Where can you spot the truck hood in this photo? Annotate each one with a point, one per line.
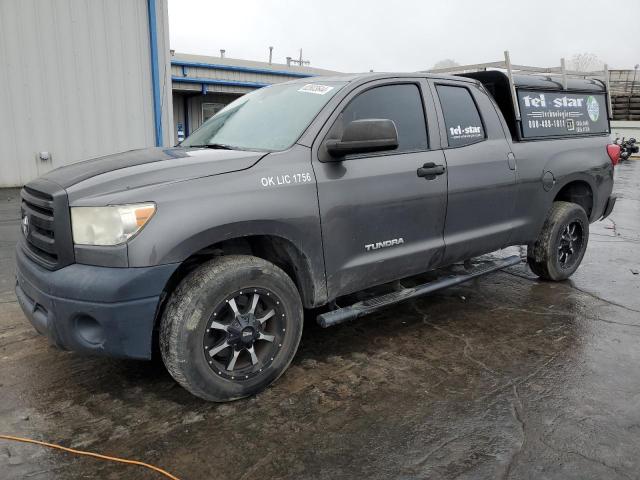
(148, 166)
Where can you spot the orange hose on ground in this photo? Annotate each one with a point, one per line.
(89, 454)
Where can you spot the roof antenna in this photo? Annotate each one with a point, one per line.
(300, 61)
(270, 54)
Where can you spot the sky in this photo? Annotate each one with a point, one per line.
(408, 35)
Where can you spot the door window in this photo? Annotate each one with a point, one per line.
(400, 103)
(461, 117)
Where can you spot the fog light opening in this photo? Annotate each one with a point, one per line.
(89, 330)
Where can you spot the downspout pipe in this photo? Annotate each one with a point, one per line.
(155, 71)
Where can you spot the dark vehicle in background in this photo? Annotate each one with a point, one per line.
(299, 195)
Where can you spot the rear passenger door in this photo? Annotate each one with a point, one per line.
(481, 172)
(380, 219)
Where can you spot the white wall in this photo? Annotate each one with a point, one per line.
(75, 80)
(623, 128)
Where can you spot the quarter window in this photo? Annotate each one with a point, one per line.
(400, 103)
(461, 117)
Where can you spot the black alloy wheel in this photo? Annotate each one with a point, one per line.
(561, 244)
(231, 327)
(570, 244)
(244, 333)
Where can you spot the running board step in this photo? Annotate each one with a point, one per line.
(365, 307)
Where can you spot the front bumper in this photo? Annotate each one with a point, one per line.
(89, 309)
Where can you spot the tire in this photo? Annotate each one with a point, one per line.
(200, 319)
(562, 242)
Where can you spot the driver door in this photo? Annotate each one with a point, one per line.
(381, 221)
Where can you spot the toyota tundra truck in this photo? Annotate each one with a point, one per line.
(302, 195)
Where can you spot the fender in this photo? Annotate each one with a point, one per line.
(598, 174)
(202, 212)
(308, 262)
(568, 160)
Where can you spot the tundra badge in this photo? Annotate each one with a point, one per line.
(385, 244)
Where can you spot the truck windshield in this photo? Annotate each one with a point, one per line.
(271, 118)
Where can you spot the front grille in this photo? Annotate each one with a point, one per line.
(45, 225)
(39, 230)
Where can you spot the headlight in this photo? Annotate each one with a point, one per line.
(110, 225)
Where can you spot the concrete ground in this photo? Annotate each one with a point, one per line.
(503, 377)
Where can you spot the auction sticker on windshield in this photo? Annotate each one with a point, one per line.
(316, 88)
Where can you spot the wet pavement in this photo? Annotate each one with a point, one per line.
(504, 377)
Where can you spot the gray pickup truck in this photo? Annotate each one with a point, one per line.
(299, 196)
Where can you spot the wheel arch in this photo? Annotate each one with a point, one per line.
(277, 249)
(579, 191)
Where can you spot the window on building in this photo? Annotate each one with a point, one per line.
(400, 103)
(461, 117)
(210, 109)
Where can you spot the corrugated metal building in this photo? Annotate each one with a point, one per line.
(80, 79)
(203, 85)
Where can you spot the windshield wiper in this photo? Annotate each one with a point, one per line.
(217, 146)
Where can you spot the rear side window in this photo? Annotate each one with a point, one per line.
(461, 117)
(400, 103)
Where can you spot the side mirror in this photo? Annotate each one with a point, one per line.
(367, 135)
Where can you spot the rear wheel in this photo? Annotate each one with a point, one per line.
(231, 328)
(562, 243)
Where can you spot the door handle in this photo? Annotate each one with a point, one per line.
(430, 170)
(511, 160)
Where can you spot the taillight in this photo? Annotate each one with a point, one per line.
(614, 153)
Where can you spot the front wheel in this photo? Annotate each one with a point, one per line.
(562, 243)
(231, 328)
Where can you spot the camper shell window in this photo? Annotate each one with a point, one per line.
(546, 109)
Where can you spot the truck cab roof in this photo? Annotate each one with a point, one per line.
(369, 76)
(487, 78)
